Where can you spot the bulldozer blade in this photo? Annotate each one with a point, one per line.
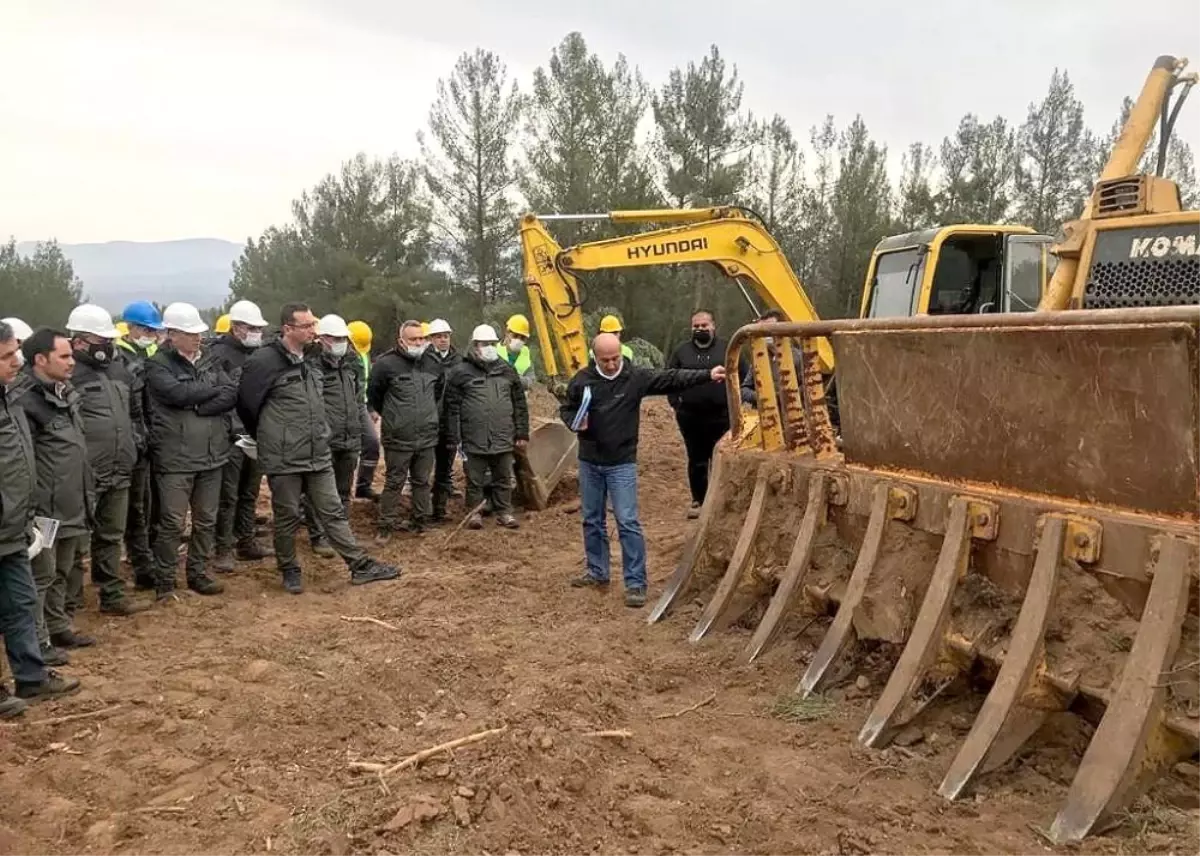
(1004, 723)
(797, 567)
(1133, 745)
(541, 465)
(926, 637)
(740, 561)
(841, 631)
(682, 575)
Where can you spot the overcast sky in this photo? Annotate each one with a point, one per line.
(159, 119)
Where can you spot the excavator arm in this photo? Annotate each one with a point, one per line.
(737, 245)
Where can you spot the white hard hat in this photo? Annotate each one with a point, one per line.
(439, 325)
(90, 318)
(245, 312)
(333, 325)
(183, 317)
(484, 333)
(21, 330)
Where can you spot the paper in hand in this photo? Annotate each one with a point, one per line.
(248, 446)
(582, 412)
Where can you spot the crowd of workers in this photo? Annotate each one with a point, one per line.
(131, 437)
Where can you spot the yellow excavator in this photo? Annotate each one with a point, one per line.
(1014, 502)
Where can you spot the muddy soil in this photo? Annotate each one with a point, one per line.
(231, 723)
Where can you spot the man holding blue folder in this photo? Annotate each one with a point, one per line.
(603, 405)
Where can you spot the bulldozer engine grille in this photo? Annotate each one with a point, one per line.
(1144, 267)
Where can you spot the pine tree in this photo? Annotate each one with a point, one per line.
(861, 214)
(466, 165)
(1179, 167)
(915, 208)
(41, 289)
(979, 164)
(1053, 175)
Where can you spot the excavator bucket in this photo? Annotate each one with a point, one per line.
(544, 461)
(1009, 518)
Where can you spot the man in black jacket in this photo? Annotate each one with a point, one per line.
(445, 358)
(189, 444)
(701, 412)
(404, 389)
(486, 412)
(608, 438)
(241, 476)
(282, 406)
(18, 592)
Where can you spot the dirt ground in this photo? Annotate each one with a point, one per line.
(231, 722)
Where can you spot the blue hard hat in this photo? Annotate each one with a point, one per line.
(142, 313)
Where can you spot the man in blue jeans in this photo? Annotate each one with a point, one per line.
(18, 594)
(608, 438)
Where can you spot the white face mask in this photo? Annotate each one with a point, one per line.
(338, 349)
(488, 353)
(253, 339)
(416, 351)
(620, 366)
(515, 344)
(145, 342)
(20, 357)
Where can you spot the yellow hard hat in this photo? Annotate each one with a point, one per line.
(424, 328)
(610, 324)
(360, 335)
(122, 329)
(222, 325)
(518, 324)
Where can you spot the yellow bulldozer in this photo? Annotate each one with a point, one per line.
(1013, 500)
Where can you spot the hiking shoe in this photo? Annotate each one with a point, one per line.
(588, 581)
(508, 521)
(322, 549)
(694, 511)
(476, 521)
(53, 686)
(204, 584)
(366, 493)
(292, 582)
(223, 563)
(10, 706)
(52, 656)
(71, 639)
(125, 607)
(635, 597)
(253, 550)
(413, 527)
(373, 572)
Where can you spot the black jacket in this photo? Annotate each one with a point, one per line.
(485, 407)
(18, 477)
(342, 386)
(282, 406)
(406, 393)
(703, 403)
(614, 415)
(112, 418)
(64, 478)
(189, 431)
(231, 355)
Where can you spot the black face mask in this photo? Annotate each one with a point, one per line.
(102, 353)
(703, 338)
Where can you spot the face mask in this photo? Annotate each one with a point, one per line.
(253, 339)
(145, 342)
(101, 353)
(516, 343)
(606, 376)
(415, 352)
(702, 337)
(488, 353)
(338, 349)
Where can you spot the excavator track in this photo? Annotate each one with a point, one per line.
(1014, 506)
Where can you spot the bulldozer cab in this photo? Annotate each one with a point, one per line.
(957, 270)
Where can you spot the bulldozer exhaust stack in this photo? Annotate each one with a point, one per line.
(1014, 506)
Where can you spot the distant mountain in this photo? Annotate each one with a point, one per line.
(195, 270)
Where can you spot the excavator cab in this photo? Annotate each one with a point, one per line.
(957, 270)
(1008, 522)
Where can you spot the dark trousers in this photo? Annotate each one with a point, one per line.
(112, 507)
(18, 619)
(401, 467)
(700, 438)
(287, 493)
(175, 494)
(443, 476)
(370, 451)
(241, 478)
(492, 474)
(138, 522)
(344, 464)
(53, 569)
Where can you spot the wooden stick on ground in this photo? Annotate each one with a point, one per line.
(462, 523)
(366, 619)
(709, 700)
(72, 717)
(618, 734)
(417, 757)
